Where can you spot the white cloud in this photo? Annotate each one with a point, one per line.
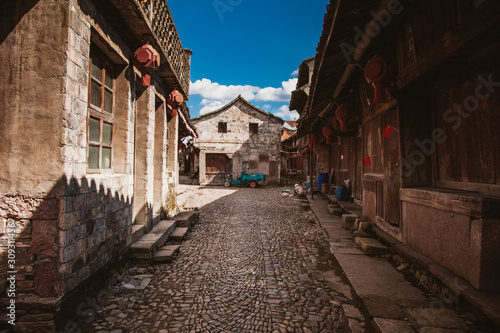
(285, 114)
(281, 94)
(210, 105)
(295, 73)
(214, 91)
(215, 95)
(217, 92)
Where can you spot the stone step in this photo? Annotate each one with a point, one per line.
(348, 221)
(166, 253)
(185, 219)
(436, 320)
(148, 244)
(370, 246)
(138, 230)
(178, 234)
(335, 210)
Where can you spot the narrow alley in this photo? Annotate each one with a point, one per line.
(254, 262)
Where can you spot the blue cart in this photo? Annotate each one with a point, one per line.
(252, 179)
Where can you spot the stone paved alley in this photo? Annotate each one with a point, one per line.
(254, 262)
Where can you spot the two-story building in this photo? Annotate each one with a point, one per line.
(408, 95)
(91, 107)
(238, 136)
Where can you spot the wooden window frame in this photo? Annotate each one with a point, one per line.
(97, 111)
(253, 128)
(222, 127)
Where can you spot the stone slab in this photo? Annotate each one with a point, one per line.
(370, 246)
(166, 253)
(385, 291)
(351, 311)
(392, 326)
(138, 230)
(439, 330)
(337, 211)
(441, 318)
(346, 250)
(185, 219)
(145, 246)
(179, 233)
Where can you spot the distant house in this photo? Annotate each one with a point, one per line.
(289, 128)
(235, 137)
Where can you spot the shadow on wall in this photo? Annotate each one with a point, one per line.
(61, 239)
(12, 13)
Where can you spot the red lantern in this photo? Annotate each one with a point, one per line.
(146, 59)
(313, 141)
(175, 99)
(377, 74)
(328, 133)
(342, 114)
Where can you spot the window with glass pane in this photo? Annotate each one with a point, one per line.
(101, 83)
(100, 121)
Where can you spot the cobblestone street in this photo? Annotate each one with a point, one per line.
(254, 262)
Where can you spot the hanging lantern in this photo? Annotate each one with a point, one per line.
(328, 133)
(343, 114)
(313, 140)
(146, 59)
(175, 99)
(376, 73)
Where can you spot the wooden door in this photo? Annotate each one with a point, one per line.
(218, 165)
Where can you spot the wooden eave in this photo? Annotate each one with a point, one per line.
(138, 27)
(298, 100)
(330, 61)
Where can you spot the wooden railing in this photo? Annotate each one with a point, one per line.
(163, 26)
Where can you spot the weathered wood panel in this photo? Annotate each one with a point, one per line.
(471, 147)
(217, 163)
(392, 181)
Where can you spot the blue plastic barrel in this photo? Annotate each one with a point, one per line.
(322, 178)
(342, 193)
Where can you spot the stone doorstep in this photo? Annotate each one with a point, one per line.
(178, 234)
(370, 246)
(166, 253)
(186, 218)
(146, 246)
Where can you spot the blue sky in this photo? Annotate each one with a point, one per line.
(247, 47)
